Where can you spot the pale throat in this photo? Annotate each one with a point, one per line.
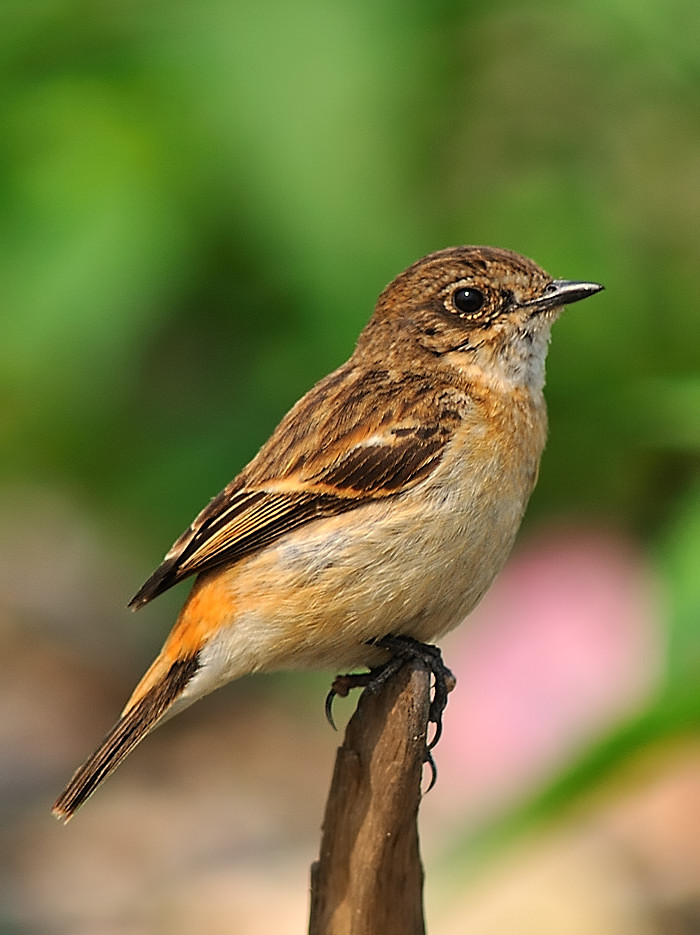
(513, 361)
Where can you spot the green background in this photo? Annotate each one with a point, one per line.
(199, 203)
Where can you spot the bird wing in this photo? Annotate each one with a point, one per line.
(312, 467)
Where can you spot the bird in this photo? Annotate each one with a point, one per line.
(382, 506)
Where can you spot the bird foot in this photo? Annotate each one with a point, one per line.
(403, 649)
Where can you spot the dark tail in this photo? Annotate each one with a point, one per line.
(129, 730)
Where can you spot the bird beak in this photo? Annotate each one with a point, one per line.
(562, 292)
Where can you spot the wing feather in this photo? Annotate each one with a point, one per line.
(313, 468)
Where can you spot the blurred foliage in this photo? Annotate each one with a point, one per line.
(200, 202)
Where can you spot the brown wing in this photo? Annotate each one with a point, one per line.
(315, 467)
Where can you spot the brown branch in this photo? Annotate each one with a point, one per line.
(369, 878)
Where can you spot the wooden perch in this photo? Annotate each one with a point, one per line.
(368, 879)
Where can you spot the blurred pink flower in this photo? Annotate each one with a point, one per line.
(566, 643)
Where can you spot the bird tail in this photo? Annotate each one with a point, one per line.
(152, 699)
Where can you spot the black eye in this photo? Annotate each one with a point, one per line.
(468, 301)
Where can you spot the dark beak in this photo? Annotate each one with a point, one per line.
(562, 292)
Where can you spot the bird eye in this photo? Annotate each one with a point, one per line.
(468, 301)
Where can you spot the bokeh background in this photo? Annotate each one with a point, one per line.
(199, 203)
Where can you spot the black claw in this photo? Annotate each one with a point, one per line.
(433, 769)
(329, 707)
(343, 685)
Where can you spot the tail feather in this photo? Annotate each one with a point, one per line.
(136, 722)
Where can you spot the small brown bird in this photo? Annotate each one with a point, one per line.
(385, 502)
